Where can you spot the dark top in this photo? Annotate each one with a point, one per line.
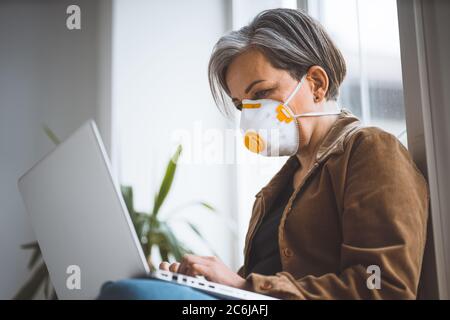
(265, 253)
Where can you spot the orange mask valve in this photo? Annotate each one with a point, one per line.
(254, 142)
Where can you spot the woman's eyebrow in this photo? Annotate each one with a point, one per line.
(250, 86)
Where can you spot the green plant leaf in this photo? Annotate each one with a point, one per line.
(141, 224)
(208, 206)
(51, 135)
(173, 212)
(195, 229)
(30, 288)
(185, 250)
(164, 253)
(34, 258)
(30, 245)
(47, 288)
(172, 241)
(53, 296)
(167, 181)
(34, 246)
(200, 235)
(127, 194)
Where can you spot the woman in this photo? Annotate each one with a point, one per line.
(346, 216)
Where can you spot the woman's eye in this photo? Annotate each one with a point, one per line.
(261, 94)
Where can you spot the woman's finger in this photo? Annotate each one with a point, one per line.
(199, 270)
(189, 259)
(174, 267)
(164, 266)
(182, 267)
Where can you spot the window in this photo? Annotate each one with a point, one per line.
(367, 34)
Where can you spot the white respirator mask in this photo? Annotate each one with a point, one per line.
(270, 127)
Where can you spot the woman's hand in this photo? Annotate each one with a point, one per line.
(212, 268)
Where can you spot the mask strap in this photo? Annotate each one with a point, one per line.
(308, 114)
(317, 114)
(299, 85)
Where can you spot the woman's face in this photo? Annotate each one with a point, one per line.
(251, 76)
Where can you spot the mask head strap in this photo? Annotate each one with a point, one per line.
(297, 88)
(318, 114)
(308, 114)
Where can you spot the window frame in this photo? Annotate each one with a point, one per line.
(424, 125)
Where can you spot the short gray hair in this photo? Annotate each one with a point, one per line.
(290, 39)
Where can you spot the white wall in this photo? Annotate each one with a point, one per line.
(48, 75)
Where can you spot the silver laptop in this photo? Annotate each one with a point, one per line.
(83, 227)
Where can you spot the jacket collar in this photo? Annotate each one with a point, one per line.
(335, 138)
(333, 143)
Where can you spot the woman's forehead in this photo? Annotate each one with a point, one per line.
(247, 67)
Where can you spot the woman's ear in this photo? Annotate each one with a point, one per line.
(319, 82)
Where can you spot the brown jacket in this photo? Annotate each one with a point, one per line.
(363, 203)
